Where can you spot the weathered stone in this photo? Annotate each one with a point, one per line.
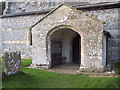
(0, 74)
(25, 21)
(12, 63)
(16, 36)
(61, 21)
(0, 43)
(110, 16)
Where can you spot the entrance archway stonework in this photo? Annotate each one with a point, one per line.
(64, 16)
(49, 35)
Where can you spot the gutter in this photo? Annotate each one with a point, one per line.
(86, 7)
(99, 6)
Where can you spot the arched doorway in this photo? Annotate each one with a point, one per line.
(61, 50)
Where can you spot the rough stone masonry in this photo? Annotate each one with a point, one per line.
(16, 33)
(90, 30)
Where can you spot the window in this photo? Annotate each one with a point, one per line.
(55, 3)
(52, 3)
(30, 37)
(2, 7)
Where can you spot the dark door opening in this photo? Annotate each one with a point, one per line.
(56, 53)
(64, 48)
(76, 50)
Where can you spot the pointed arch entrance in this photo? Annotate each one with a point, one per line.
(63, 46)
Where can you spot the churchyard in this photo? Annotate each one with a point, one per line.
(36, 78)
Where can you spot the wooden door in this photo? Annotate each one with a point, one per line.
(76, 49)
(56, 53)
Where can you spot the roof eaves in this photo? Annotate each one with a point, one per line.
(85, 7)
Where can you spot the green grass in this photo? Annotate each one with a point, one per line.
(35, 78)
(117, 68)
(26, 62)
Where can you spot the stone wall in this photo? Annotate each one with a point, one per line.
(23, 6)
(110, 17)
(90, 30)
(15, 34)
(15, 40)
(20, 22)
(0, 39)
(20, 25)
(0, 57)
(36, 5)
(0, 43)
(0, 74)
(27, 6)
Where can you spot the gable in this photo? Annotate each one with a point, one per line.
(67, 18)
(61, 13)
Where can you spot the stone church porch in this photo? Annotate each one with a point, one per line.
(44, 35)
(65, 46)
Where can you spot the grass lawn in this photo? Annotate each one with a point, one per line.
(34, 78)
(117, 68)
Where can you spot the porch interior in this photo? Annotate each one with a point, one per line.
(65, 50)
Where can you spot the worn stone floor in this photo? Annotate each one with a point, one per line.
(71, 68)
